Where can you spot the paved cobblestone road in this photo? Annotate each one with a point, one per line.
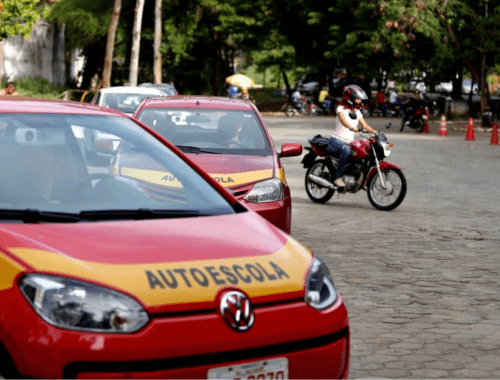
(421, 282)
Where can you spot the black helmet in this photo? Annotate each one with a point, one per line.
(353, 92)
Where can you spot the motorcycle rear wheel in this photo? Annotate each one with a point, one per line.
(419, 125)
(318, 193)
(391, 197)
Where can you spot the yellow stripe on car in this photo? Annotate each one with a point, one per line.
(159, 284)
(9, 269)
(225, 179)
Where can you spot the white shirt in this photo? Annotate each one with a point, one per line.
(394, 97)
(341, 132)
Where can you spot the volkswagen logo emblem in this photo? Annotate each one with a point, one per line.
(236, 310)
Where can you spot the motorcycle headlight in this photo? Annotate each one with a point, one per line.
(387, 149)
(320, 290)
(77, 305)
(266, 191)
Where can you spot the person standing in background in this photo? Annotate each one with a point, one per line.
(10, 89)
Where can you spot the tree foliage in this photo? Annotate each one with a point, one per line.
(19, 16)
(203, 41)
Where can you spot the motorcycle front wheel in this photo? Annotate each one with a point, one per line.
(313, 110)
(392, 195)
(289, 111)
(318, 193)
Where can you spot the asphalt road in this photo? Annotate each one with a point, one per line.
(421, 282)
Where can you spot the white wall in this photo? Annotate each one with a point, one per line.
(41, 56)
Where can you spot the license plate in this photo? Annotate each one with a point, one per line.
(265, 369)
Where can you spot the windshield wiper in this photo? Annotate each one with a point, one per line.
(139, 214)
(194, 149)
(32, 215)
(37, 216)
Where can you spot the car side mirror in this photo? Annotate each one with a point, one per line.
(290, 150)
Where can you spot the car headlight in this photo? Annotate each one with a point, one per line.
(266, 191)
(320, 290)
(77, 305)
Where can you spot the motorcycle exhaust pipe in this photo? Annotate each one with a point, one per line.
(320, 181)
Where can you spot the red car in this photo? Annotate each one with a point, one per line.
(229, 140)
(108, 275)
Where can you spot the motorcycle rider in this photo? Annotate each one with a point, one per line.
(349, 117)
(396, 104)
(297, 101)
(381, 102)
(324, 99)
(410, 106)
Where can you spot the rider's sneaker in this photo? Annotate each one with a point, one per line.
(339, 183)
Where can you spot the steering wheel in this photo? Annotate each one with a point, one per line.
(87, 179)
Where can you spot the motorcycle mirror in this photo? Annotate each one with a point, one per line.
(353, 115)
(388, 125)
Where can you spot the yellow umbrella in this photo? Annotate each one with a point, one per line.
(240, 80)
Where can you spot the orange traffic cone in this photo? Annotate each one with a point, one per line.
(443, 131)
(494, 134)
(469, 136)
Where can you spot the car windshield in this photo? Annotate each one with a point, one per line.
(104, 167)
(209, 131)
(126, 103)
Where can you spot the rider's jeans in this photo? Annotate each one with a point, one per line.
(340, 150)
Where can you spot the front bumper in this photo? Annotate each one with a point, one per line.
(183, 345)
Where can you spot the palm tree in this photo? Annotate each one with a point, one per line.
(157, 42)
(136, 43)
(110, 44)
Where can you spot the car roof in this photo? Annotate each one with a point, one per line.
(17, 104)
(157, 85)
(131, 90)
(198, 101)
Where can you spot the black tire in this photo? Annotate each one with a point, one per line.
(317, 193)
(419, 124)
(396, 191)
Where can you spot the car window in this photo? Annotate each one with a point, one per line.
(126, 103)
(213, 131)
(82, 163)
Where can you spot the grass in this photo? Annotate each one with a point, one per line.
(36, 88)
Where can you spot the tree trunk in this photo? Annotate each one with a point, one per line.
(136, 43)
(157, 42)
(110, 44)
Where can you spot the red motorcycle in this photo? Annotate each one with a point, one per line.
(416, 116)
(292, 109)
(366, 169)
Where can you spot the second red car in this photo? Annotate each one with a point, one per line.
(229, 140)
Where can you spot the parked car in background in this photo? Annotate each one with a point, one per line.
(415, 84)
(467, 86)
(444, 87)
(166, 88)
(152, 271)
(124, 98)
(229, 139)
